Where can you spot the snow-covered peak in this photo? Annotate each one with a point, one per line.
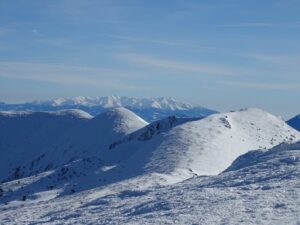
(60, 137)
(150, 109)
(45, 157)
(206, 146)
(59, 101)
(120, 120)
(80, 100)
(116, 101)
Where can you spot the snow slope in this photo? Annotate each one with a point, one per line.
(201, 147)
(148, 108)
(171, 150)
(295, 122)
(261, 187)
(117, 169)
(38, 142)
(26, 135)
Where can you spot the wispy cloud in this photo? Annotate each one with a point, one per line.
(44, 39)
(256, 85)
(261, 25)
(276, 59)
(37, 32)
(158, 42)
(66, 75)
(175, 65)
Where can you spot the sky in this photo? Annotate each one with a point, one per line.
(225, 54)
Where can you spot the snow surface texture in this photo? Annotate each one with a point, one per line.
(150, 109)
(264, 189)
(117, 169)
(202, 147)
(295, 122)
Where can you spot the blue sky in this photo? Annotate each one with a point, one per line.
(222, 54)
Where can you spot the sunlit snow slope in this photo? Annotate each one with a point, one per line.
(67, 165)
(202, 147)
(260, 187)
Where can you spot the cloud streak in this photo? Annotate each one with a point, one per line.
(256, 24)
(174, 65)
(158, 42)
(262, 25)
(263, 86)
(37, 32)
(66, 75)
(276, 59)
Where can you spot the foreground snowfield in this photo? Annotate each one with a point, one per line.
(264, 189)
(114, 168)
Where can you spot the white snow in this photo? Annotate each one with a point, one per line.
(36, 141)
(121, 120)
(266, 192)
(150, 109)
(117, 101)
(67, 112)
(115, 168)
(25, 136)
(203, 147)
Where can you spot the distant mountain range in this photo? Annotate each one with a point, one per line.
(150, 109)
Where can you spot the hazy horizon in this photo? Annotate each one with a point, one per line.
(286, 117)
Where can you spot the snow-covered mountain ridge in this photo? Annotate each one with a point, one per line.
(33, 142)
(176, 148)
(81, 162)
(149, 109)
(200, 147)
(118, 101)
